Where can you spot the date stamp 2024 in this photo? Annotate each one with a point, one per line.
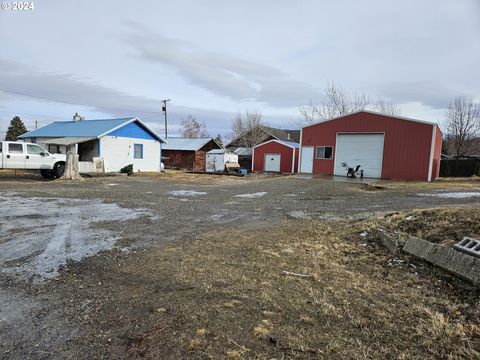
(17, 6)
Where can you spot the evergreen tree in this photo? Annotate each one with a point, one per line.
(219, 140)
(15, 129)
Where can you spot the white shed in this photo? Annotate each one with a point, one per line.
(218, 159)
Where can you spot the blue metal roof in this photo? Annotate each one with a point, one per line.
(81, 128)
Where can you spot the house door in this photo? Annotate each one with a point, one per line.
(272, 162)
(306, 164)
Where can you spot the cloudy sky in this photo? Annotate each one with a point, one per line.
(215, 58)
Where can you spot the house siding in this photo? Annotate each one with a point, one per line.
(407, 144)
(117, 152)
(133, 130)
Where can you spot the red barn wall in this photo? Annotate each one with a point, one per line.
(407, 144)
(437, 154)
(286, 153)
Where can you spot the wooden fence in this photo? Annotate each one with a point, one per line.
(460, 167)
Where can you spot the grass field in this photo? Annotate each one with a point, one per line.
(300, 290)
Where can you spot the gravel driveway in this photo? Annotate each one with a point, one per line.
(48, 224)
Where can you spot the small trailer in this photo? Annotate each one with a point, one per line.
(219, 160)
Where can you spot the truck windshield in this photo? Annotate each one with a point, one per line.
(35, 149)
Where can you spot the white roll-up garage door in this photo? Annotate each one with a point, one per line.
(360, 149)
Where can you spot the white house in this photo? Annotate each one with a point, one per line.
(103, 145)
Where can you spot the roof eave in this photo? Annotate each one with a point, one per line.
(374, 113)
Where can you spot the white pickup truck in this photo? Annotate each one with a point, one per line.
(28, 156)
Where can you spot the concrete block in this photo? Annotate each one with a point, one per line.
(418, 247)
(460, 264)
(469, 246)
(389, 241)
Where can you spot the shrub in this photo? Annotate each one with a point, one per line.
(127, 170)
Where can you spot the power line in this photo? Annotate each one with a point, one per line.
(73, 103)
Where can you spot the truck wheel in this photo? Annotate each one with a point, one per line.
(58, 170)
(47, 174)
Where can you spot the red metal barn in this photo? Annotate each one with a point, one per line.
(276, 156)
(386, 147)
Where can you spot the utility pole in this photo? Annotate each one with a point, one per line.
(36, 124)
(164, 109)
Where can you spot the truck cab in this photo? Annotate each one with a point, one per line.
(29, 156)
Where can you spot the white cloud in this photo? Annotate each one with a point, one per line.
(221, 74)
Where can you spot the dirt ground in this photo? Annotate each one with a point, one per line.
(196, 266)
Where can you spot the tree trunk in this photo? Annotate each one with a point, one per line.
(71, 168)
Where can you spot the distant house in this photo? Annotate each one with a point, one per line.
(242, 144)
(189, 154)
(103, 145)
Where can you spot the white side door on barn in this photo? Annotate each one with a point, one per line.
(306, 165)
(360, 149)
(272, 162)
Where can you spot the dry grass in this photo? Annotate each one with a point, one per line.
(227, 296)
(439, 184)
(183, 177)
(442, 226)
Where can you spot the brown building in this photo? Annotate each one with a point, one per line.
(189, 154)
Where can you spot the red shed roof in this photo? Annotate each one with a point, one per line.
(374, 113)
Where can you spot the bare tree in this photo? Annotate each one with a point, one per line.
(463, 124)
(247, 121)
(192, 128)
(386, 107)
(245, 127)
(338, 102)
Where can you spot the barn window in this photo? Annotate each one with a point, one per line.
(324, 152)
(138, 151)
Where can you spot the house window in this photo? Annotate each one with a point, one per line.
(138, 151)
(54, 149)
(323, 152)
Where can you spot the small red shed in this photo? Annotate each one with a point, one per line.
(276, 156)
(385, 146)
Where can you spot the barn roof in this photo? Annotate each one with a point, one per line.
(185, 144)
(85, 128)
(374, 113)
